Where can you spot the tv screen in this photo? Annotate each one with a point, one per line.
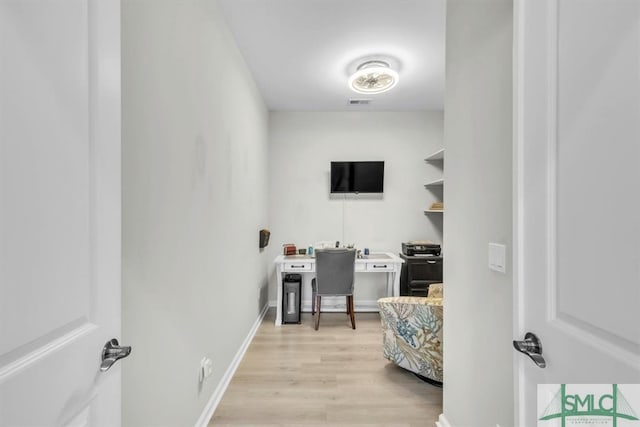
(357, 177)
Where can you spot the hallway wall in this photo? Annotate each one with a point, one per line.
(194, 140)
(478, 374)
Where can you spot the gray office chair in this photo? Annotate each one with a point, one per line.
(334, 277)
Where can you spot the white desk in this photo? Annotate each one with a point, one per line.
(384, 262)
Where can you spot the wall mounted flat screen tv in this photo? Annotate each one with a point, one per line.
(357, 177)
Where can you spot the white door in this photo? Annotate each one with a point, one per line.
(59, 211)
(577, 193)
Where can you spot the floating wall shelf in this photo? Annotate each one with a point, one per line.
(435, 183)
(438, 155)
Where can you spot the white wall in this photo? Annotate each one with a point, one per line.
(194, 197)
(478, 382)
(302, 211)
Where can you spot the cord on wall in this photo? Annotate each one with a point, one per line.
(344, 202)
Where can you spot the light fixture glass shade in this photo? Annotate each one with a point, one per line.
(373, 77)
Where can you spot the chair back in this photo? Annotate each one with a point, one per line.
(335, 271)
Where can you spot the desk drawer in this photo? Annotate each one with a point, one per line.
(380, 266)
(297, 266)
(360, 267)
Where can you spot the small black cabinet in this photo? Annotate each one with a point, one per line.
(418, 272)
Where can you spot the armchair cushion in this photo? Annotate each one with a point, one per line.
(412, 333)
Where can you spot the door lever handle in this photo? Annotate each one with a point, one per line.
(532, 347)
(112, 352)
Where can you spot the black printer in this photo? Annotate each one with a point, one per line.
(420, 247)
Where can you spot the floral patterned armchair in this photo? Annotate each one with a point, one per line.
(412, 332)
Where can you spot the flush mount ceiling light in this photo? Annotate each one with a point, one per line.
(373, 77)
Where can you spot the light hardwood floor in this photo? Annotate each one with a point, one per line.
(336, 376)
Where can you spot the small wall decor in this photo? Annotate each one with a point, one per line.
(264, 237)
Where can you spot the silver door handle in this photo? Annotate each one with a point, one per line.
(532, 347)
(112, 352)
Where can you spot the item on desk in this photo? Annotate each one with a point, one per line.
(324, 244)
(420, 247)
(310, 250)
(366, 251)
(337, 243)
(359, 254)
(289, 249)
(302, 251)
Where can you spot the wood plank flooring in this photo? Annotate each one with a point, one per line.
(336, 376)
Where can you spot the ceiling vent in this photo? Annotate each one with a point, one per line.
(359, 101)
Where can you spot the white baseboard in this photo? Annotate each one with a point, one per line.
(442, 421)
(338, 304)
(211, 406)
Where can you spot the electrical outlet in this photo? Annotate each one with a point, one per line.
(206, 368)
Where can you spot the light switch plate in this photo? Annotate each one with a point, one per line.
(497, 257)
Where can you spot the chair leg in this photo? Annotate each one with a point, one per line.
(318, 301)
(351, 313)
(313, 297)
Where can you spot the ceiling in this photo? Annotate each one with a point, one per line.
(301, 52)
